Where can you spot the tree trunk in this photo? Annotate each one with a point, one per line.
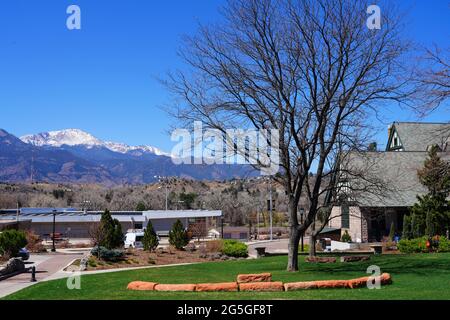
(294, 237)
(312, 245)
(312, 240)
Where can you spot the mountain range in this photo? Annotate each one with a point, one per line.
(75, 156)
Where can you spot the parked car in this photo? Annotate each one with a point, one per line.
(134, 239)
(24, 254)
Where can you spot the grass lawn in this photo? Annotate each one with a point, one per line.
(420, 276)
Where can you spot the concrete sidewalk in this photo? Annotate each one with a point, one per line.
(65, 274)
(46, 266)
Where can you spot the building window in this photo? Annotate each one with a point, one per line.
(345, 217)
(138, 225)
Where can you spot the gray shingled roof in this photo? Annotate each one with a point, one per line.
(417, 136)
(396, 170)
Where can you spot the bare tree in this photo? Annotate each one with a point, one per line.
(433, 78)
(310, 69)
(97, 235)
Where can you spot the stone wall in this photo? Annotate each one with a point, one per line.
(357, 224)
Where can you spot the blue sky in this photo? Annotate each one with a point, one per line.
(102, 78)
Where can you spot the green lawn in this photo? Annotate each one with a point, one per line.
(421, 276)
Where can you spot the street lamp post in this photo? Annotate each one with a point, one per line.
(53, 234)
(165, 181)
(270, 202)
(257, 224)
(270, 205)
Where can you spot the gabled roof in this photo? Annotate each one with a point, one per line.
(418, 136)
(398, 173)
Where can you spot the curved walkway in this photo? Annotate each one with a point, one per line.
(46, 266)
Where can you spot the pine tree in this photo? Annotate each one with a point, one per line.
(112, 230)
(178, 237)
(346, 237)
(117, 237)
(417, 229)
(429, 229)
(406, 227)
(435, 174)
(150, 240)
(141, 206)
(431, 214)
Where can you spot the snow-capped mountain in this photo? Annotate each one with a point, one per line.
(74, 156)
(69, 137)
(76, 137)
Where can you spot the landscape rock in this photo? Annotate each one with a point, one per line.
(354, 258)
(215, 256)
(141, 286)
(208, 287)
(331, 284)
(358, 282)
(321, 259)
(292, 286)
(175, 287)
(259, 277)
(385, 279)
(84, 263)
(13, 265)
(261, 286)
(190, 247)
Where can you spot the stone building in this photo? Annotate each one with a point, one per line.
(368, 215)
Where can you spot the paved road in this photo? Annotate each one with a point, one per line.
(46, 266)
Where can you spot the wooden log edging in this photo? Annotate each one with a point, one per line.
(262, 286)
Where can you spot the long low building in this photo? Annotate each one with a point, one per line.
(77, 224)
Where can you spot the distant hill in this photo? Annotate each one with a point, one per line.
(76, 156)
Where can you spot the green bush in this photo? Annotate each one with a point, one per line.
(444, 245)
(178, 237)
(11, 241)
(108, 254)
(305, 248)
(150, 240)
(346, 237)
(234, 248)
(416, 245)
